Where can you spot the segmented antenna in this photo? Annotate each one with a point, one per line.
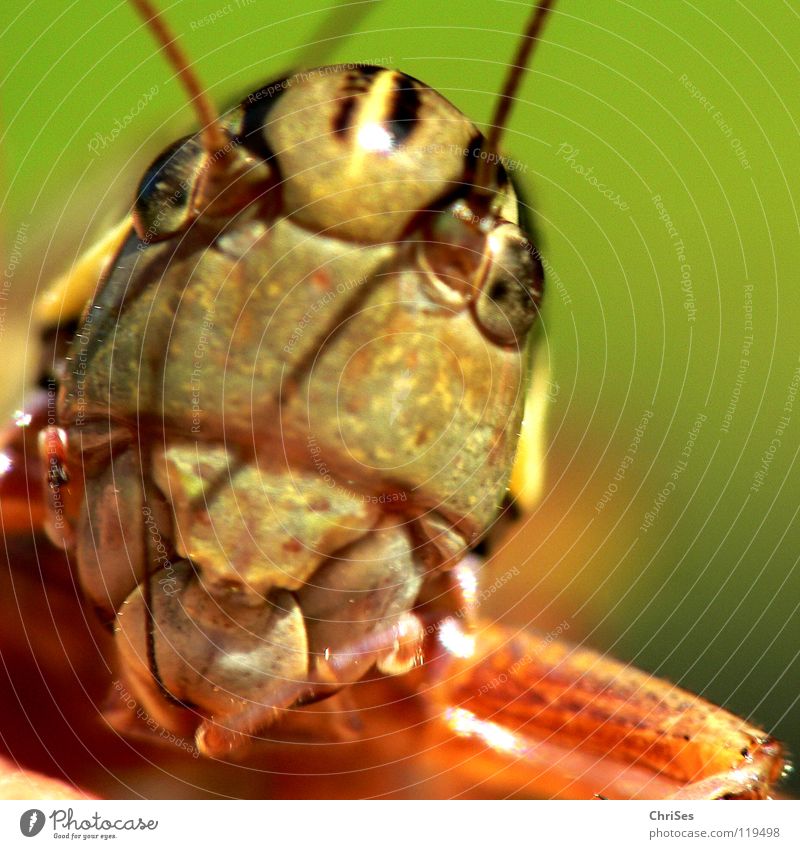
(213, 138)
(505, 100)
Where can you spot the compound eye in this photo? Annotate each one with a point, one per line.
(508, 303)
(163, 200)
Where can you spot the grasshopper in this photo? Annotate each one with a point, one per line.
(288, 400)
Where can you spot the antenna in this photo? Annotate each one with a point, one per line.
(214, 139)
(505, 101)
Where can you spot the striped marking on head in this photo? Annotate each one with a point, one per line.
(378, 112)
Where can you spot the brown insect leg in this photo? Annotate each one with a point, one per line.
(522, 693)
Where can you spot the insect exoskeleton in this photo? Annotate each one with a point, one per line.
(295, 396)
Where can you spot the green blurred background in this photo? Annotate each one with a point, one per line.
(693, 102)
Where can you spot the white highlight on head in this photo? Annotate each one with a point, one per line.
(375, 138)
